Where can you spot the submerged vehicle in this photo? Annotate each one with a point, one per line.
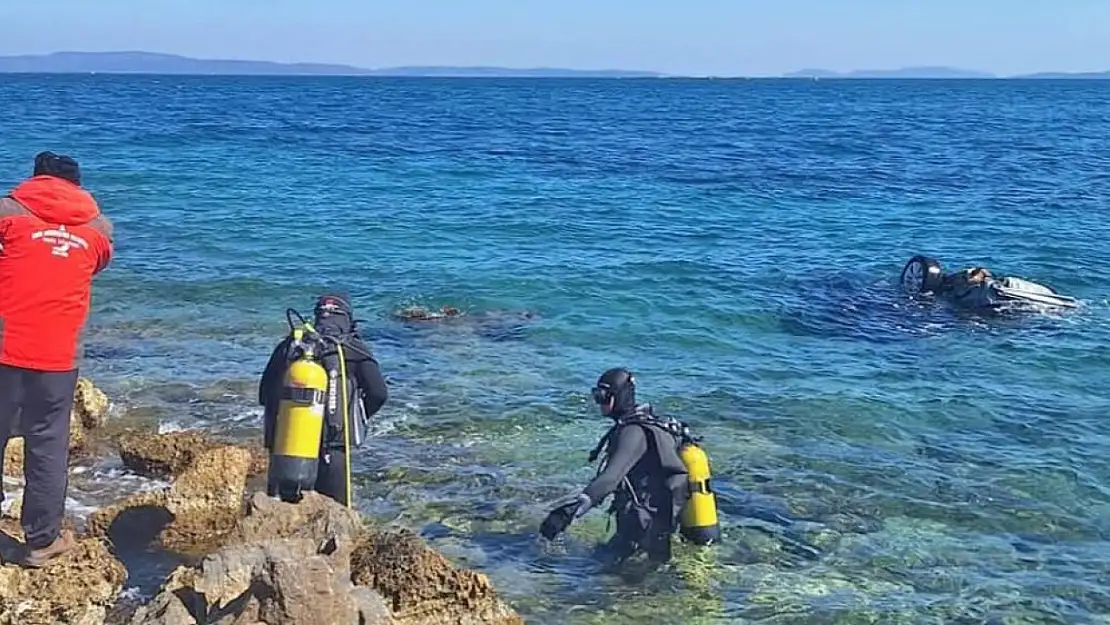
(978, 288)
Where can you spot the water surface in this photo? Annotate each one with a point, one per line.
(736, 243)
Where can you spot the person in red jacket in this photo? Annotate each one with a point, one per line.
(53, 240)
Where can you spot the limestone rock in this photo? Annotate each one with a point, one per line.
(197, 510)
(284, 564)
(422, 587)
(260, 459)
(90, 409)
(162, 455)
(13, 457)
(76, 589)
(315, 517)
(372, 608)
(90, 404)
(168, 455)
(287, 564)
(282, 582)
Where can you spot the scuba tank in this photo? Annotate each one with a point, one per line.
(299, 424)
(698, 520)
(699, 516)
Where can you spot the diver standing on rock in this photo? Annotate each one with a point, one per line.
(644, 465)
(341, 351)
(53, 241)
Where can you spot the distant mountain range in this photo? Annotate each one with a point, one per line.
(156, 63)
(938, 72)
(905, 72)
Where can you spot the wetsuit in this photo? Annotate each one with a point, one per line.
(644, 471)
(367, 393)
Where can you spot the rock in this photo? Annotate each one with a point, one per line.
(372, 609)
(420, 313)
(260, 459)
(422, 587)
(315, 517)
(15, 509)
(168, 455)
(90, 409)
(283, 564)
(196, 511)
(13, 457)
(77, 589)
(275, 582)
(286, 564)
(90, 404)
(162, 455)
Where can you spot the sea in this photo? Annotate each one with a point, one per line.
(737, 244)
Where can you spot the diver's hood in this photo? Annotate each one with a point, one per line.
(334, 325)
(636, 412)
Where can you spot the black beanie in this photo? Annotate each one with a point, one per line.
(59, 166)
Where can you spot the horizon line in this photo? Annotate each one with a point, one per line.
(323, 69)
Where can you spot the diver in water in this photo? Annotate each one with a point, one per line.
(641, 465)
(333, 318)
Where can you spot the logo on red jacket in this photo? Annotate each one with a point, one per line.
(60, 239)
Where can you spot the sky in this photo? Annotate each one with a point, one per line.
(694, 37)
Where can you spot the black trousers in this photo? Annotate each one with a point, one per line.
(331, 477)
(37, 406)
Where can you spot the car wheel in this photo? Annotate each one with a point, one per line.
(922, 275)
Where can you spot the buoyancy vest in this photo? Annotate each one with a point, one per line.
(657, 487)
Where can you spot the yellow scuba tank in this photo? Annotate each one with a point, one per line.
(300, 425)
(699, 516)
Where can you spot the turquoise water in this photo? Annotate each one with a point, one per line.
(736, 243)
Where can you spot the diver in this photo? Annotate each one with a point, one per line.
(644, 468)
(366, 389)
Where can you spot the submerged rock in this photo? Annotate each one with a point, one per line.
(496, 325)
(286, 564)
(90, 409)
(421, 313)
(199, 508)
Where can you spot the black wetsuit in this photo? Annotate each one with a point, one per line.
(645, 472)
(366, 380)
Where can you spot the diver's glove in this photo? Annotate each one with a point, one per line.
(559, 519)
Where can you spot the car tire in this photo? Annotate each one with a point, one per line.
(922, 275)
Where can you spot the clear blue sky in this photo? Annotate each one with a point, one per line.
(722, 37)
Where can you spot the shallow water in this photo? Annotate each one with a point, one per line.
(737, 243)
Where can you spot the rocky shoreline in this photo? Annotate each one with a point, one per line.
(250, 560)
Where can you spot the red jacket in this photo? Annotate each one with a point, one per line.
(53, 240)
